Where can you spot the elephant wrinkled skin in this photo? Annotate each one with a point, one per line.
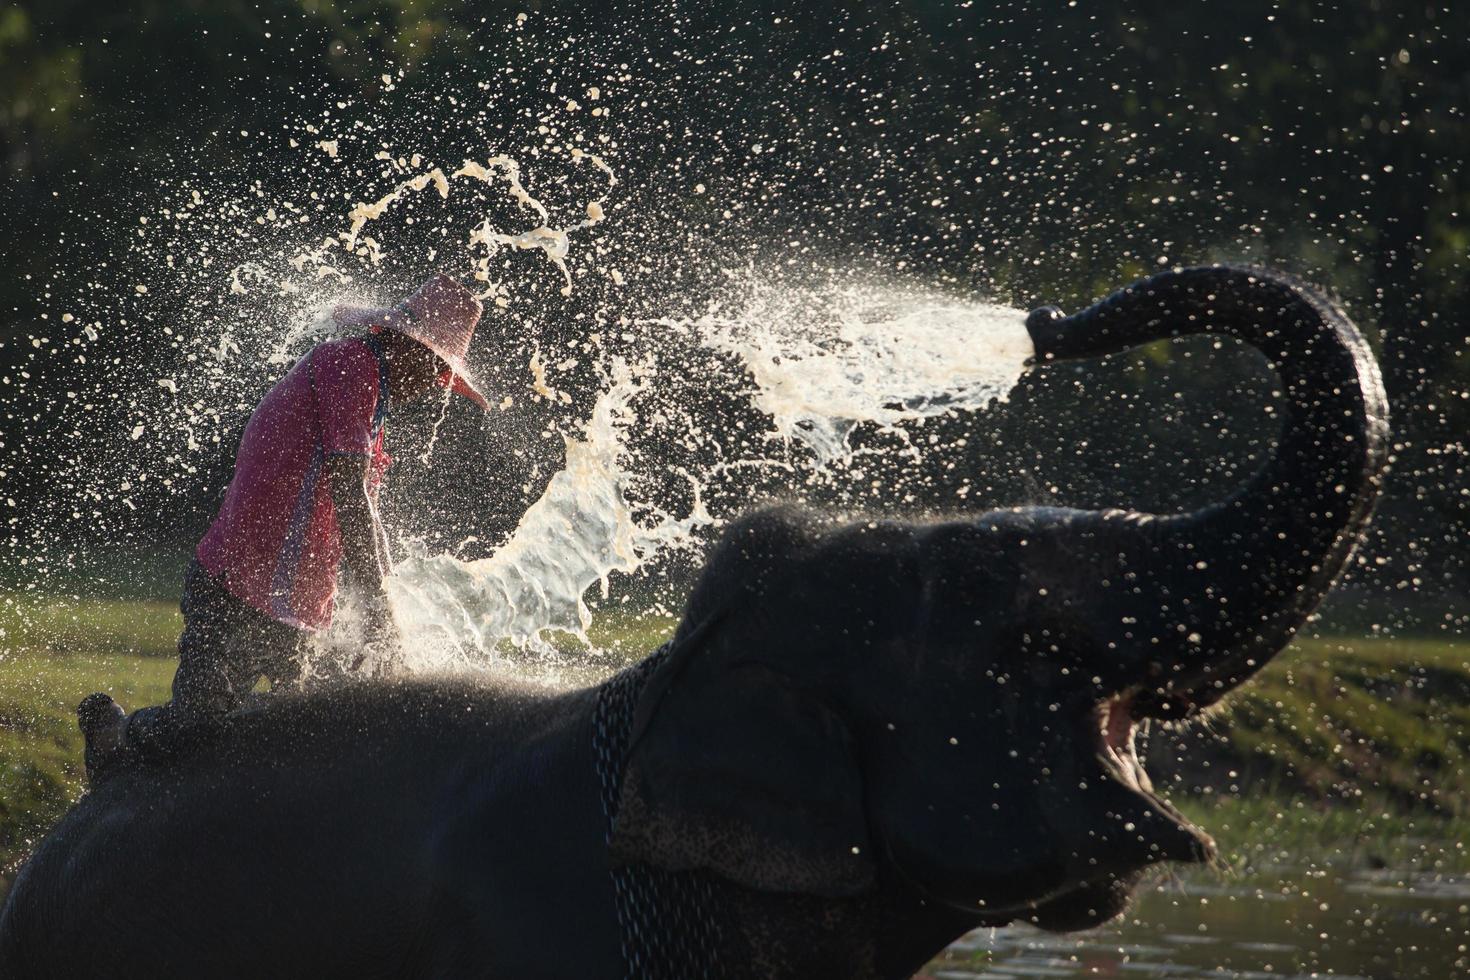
(864, 740)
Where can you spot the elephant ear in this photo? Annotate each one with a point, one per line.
(735, 771)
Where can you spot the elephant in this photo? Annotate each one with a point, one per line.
(865, 738)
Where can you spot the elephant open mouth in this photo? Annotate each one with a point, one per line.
(1117, 732)
(1115, 725)
(1118, 724)
(1116, 836)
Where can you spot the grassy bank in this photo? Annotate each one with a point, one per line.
(1361, 723)
(52, 654)
(1360, 747)
(40, 746)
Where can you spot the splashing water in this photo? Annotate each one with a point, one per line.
(312, 265)
(823, 361)
(554, 243)
(582, 529)
(806, 364)
(827, 359)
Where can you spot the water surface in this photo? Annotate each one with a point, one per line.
(1284, 922)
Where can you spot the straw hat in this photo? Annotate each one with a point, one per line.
(441, 315)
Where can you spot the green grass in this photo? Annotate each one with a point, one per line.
(54, 652)
(1256, 832)
(631, 634)
(88, 626)
(1362, 723)
(40, 746)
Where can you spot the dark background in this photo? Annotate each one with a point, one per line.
(1026, 152)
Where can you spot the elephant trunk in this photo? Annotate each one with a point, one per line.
(1208, 597)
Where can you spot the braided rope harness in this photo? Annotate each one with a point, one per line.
(667, 920)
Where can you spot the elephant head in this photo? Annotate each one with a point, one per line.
(947, 711)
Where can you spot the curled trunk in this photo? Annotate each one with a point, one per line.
(1208, 597)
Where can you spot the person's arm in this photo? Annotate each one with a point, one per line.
(364, 543)
(346, 385)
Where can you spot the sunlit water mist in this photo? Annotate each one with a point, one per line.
(826, 360)
(818, 355)
(821, 362)
(456, 613)
(818, 359)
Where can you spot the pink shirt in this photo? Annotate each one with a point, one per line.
(275, 542)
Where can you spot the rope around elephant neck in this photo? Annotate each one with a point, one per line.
(669, 929)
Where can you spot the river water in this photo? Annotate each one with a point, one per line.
(1278, 922)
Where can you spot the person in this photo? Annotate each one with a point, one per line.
(303, 500)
